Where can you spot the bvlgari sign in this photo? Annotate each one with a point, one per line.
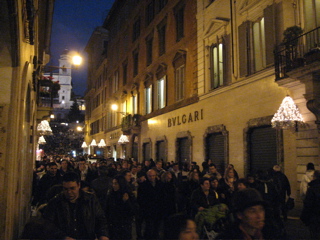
(185, 118)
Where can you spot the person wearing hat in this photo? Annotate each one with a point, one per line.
(250, 221)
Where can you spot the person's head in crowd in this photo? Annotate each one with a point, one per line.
(186, 167)
(251, 178)
(103, 162)
(119, 167)
(159, 164)
(230, 174)
(249, 208)
(139, 167)
(214, 183)
(119, 183)
(134, 169)
(263, 175)
(82, 164)
(71, 186)
(152, 175)
(194, 176)
(310, 166)
(124, 164)
(52, 168)
(175, 167)
(64, 164)
(147, 163)
(166, 177)
(205, 184)
(212, 168)
(141, 177)
(194, 165)
(127, 175)
(180, 227)
(316, 175)
(242, 183)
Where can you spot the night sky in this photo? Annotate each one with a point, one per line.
(73, 24)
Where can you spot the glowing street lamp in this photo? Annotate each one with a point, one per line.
(115, 107)
(77, 60)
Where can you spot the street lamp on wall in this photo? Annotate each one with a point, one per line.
(115, 107)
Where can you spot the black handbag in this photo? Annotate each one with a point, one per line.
(290, 203)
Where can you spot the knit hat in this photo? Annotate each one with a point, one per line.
(246, 198)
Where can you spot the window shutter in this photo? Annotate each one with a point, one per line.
(263, 148)
(244, 41)
(216, 150)
(227, 60)
(269, 21)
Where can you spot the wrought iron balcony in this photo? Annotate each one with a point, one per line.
(130, 123)
(296, 53)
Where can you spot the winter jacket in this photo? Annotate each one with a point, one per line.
(310, 214)
(91, 221)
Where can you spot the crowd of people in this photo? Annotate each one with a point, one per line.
(78, 199)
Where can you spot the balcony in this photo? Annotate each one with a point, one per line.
(130, 124)
(296, 53)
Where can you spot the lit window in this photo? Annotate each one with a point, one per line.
(162, 92)
(148, 99)
(135, 104)
(216, 68)
(259, 45)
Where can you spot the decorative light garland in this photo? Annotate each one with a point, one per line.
(123, 139)
(102, 143)
(287, 116)
(44, 128)
(84, 145)
(93, 143)
(42, 140)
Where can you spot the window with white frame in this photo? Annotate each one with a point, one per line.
(259, 45)
(124, 107)
(134, 100)
(179, 82)
(161, 86)
(148, 99)
(216, 66)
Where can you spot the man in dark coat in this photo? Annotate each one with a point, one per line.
(150, 195)
(85, 172)
(48, 180)
(75, 213)
(310, 214)
(283, 188)
(203, 197)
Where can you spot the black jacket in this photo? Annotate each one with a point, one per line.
(118, 211)
(310, 214)
(199, 199)
(90, 216)
(150, 199)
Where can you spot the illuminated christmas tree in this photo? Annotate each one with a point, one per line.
(287, 116)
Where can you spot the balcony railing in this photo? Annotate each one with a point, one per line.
(297, 53)
(130, 122)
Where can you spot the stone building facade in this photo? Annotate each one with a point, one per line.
(213, 91)
(25, 40)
